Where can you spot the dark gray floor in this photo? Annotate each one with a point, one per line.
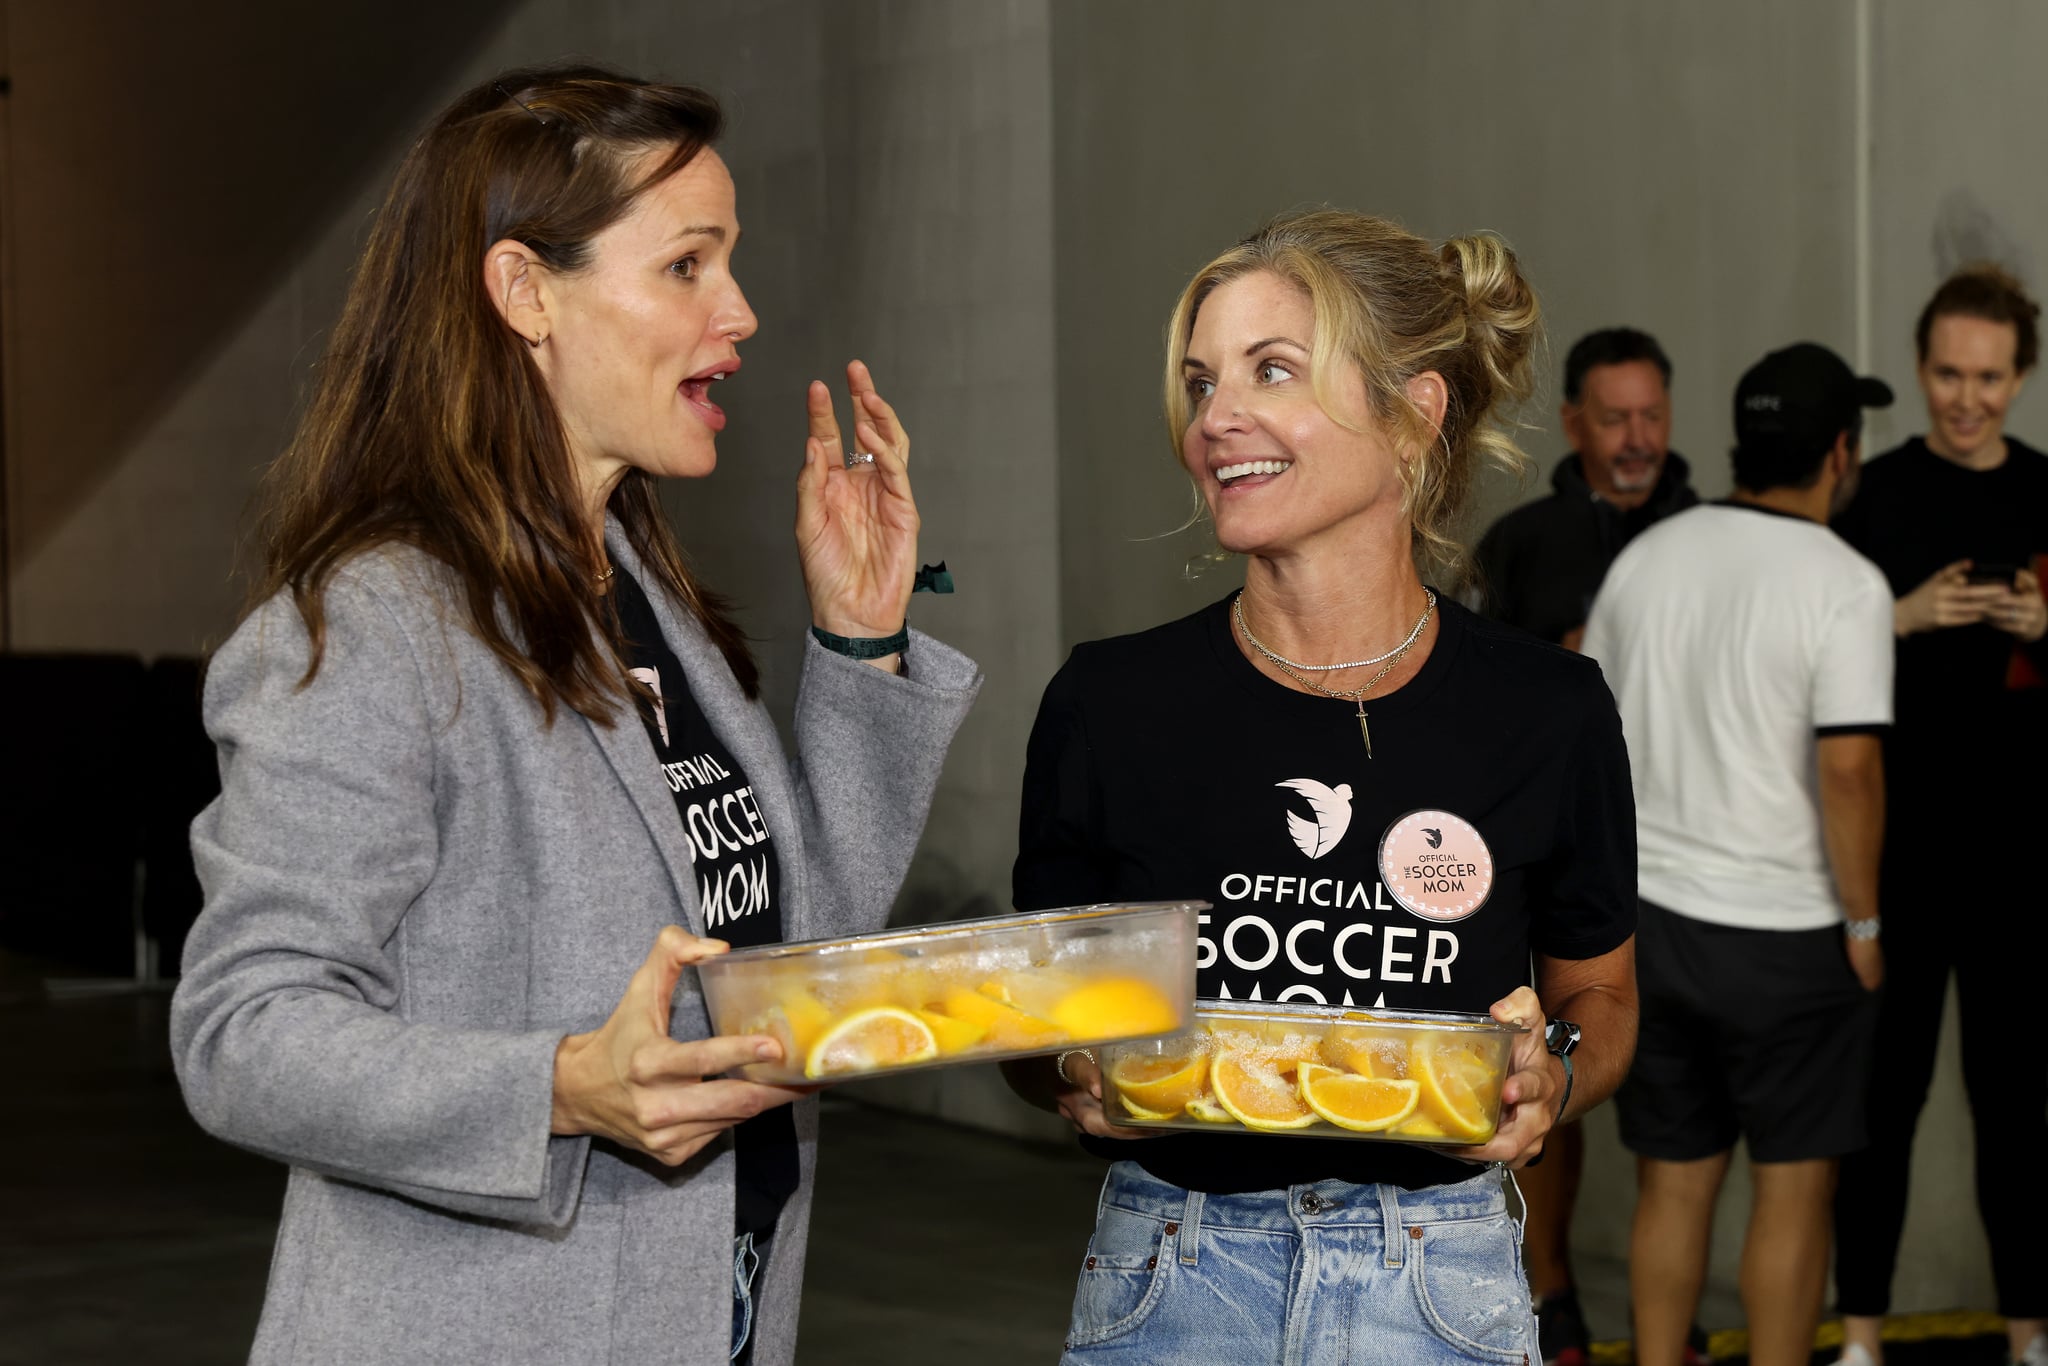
(127, 1235)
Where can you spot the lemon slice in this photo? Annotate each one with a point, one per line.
(881, 1036)
(1205, 1108)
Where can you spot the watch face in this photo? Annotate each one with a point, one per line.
(1561, 1037)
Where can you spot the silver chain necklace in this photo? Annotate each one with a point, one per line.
(1237, 606)
(1387, 661)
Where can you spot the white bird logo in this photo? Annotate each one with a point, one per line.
(1332, 808)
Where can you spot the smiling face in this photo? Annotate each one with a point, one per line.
(1278, 473)
(1970, 379)
(1621, 428)
(637, 337)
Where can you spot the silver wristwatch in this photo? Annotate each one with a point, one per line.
(1865, 928)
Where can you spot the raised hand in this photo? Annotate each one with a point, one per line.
(856, 528)
(631, 1083)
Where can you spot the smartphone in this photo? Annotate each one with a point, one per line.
(1993, 571)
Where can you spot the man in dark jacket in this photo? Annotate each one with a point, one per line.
(1539, 567)
(1541, 564)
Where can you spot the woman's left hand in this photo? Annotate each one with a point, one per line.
(1529, 1095)
(2023, 612)
(856, 528)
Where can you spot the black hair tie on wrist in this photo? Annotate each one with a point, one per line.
(864, 647)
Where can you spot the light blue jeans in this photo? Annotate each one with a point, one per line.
(1325, 1275)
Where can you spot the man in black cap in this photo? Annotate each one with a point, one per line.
(1750, 653)
(1541, 564)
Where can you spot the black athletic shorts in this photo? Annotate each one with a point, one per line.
(1759, 1034)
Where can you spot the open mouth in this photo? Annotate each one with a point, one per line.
(696, 391)
(1250, 473)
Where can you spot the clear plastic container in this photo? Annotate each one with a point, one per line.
(966, 991)
(1318, 1071)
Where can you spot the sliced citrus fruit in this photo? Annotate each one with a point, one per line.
(1205, 1108)
(882, 1036)
(1163, 1084)
(1008, 1027)
(1363, 1104)
(1257, 1095)
(1115, 1008)
(1366, 1053)
(951, 1035)
(1449, 1093)
(1419, 1125)
(1138, 1111)
(797, 1019)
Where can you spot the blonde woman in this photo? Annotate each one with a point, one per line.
(1332, 383)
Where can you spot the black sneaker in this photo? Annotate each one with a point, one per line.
(1696, 1353)
(1561, 1331)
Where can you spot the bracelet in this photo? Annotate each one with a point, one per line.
(864, 647)
(1866, 928)
(1565, 1099)
(1061, 1066)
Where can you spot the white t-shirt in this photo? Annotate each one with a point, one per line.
(1732, 637)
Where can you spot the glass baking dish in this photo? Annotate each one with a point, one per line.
(966, 991)
(1319, 1071)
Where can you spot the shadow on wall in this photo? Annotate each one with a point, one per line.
(167, 164)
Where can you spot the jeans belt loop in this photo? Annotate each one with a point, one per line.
(1190, 1229)
(1391, 1233)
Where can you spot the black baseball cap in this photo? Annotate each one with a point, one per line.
(1799, 399)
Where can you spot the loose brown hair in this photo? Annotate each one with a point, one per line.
(429, 423)
(1991, 293)
(1394, 305)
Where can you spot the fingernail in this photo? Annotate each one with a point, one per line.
(766, 1051)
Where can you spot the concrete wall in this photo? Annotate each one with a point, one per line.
(995, 203)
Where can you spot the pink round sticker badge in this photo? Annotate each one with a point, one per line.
(1436, 865)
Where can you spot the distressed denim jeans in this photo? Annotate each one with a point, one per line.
(1329, 1274)
(745, 1262)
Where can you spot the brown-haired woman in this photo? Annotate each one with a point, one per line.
(484, 741)
(1332, 385)
(1958, 521)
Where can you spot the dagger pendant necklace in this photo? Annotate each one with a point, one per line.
(1294, 671)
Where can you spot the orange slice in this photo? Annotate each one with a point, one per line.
(1450, 1095)
(1270, 1046)
(1421, 1126)
(1115, 1008)
(1205, 1108)
(951, 1035)
(1138, 1111)
(797, 1019)
(1163, 1085)
(1257, 1096)
(1363, 1104)
(1008, 1027)
(1366, 1053)
(883, 1036)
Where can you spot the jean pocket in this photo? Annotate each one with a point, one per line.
(1468, 1280)
(1121, 1279)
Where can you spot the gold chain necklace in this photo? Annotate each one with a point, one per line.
(1356, 695)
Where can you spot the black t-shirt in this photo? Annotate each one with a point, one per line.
(1541, 564)
(733, 859)
(1164, 765)
(1966, 709)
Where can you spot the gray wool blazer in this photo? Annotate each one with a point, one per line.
(415, 888)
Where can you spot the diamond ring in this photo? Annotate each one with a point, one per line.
(859, 458)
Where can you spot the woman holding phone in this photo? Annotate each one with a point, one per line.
(475, 735)
(1333, 385)
(1958, 521)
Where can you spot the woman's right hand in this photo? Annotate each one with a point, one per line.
(631, 1083)
(1081, 1101)
(1948, 598)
